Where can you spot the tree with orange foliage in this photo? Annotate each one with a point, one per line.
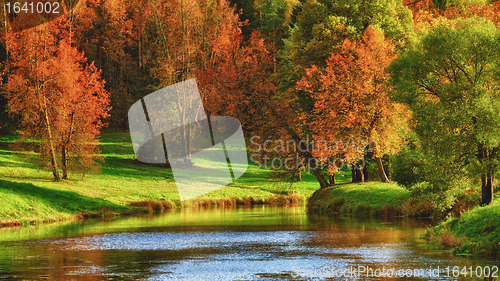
(352, 101)
(187, 37)
(111, 34)
(239, 82)
(59, 98)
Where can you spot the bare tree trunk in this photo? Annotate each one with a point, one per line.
(299, 174)
(381, 171)
(188, 141)
(182, 118)
(64, 149)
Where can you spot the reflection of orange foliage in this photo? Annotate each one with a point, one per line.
(345, 235)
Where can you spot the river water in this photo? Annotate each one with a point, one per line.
(258, 243)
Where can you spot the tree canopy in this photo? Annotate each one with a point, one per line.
(450, 81)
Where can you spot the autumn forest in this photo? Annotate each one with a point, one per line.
(417, 80)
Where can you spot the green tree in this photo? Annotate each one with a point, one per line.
(450, 79)
(273, 24)
(322, 25)
(247, 11)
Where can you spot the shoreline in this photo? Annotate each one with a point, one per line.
(158, 207)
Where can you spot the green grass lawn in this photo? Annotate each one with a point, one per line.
(29, 193)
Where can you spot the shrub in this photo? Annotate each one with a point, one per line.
(152, 206)
(448, 239)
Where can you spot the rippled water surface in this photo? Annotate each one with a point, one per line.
(259, 243)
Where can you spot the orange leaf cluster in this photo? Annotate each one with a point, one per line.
(351, 97)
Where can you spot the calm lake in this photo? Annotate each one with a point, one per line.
(258, 243)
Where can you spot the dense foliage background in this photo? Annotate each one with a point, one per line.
(418, 79)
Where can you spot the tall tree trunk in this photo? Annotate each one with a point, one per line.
(365, 173)
(353, 174)
(64, 162)
(487, 179)
(188, 141)
(487, 189)
(64, 149)
(387, 167)
(299, 174)
(53, 160)
(357, 174)
(331, 179)
(181, 111)
(381, 171)
(361, 176)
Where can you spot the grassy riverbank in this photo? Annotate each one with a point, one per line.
(384, 200)
(474, 232)
(29, 194)
(360, 199)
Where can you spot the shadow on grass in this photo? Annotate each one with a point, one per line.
(63, 201)
(12, 158)
(115, 166)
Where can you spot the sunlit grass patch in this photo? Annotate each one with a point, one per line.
(361, 199)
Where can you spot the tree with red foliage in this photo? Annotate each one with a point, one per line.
(59, 98)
